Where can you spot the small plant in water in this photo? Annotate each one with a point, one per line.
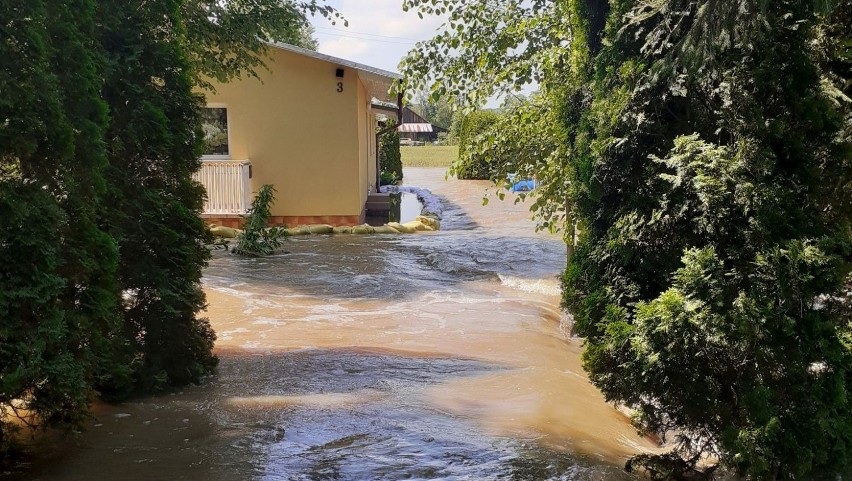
(258, 240)
(388, 178)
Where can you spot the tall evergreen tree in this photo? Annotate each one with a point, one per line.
(706, 156)
(58, 296)
(102, 246)
(712, 175)
(154, 204)
(90, 254)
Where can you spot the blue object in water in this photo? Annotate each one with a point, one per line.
(523, 186)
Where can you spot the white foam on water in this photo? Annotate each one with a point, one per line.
(269, 321)
(548, 287)
(408, 332)
(330, 308)
(225, 335)
(366, 279)
(253, 304)
(444, 298)
(566, 324)
(336, 319)
(229, 291)
(325, 400)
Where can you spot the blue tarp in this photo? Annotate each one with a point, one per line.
(521, 185)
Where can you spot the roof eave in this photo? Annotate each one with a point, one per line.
(339, 61)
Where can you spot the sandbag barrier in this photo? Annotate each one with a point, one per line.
(421, 223)
(429, 220)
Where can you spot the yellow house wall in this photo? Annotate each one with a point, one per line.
(301, 134)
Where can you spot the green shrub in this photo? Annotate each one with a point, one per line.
(472, 164)
(388, 178)
(390, 159)
(455, 128)
(258, 240)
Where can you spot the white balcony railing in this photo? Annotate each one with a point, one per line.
(228, 186)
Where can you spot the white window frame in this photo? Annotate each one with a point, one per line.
(228, 120)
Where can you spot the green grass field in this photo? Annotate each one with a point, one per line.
(429, 155)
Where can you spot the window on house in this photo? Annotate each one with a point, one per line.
(214, 123)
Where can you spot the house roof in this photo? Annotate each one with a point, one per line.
(382, 104)
(386, 107)
(376, 80)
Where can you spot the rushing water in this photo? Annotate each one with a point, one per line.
(429, 356)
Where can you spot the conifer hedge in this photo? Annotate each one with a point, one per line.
(102, 247)
(698, 154)
(390, 157)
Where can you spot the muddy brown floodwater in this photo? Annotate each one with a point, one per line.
(430, 356)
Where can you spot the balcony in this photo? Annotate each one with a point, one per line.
(228, 185)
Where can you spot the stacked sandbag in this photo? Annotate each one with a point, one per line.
(312, 229)
(321, 229)
(385, 229)
(224, 232)
(363, 229)
(423, 223)
(298, 230)
(400, 228)
(430, 221)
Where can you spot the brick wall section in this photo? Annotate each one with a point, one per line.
(233, 222)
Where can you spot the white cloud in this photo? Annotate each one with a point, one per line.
(379, 32)
(347, 48)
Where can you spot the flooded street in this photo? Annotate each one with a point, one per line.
(429, 356)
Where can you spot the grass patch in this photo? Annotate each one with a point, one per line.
(429, 155)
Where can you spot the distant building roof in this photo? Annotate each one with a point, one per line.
(427, 127)
(377, 81)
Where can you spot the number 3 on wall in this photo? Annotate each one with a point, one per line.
(340, 86)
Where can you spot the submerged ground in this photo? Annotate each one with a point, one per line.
(429, 356)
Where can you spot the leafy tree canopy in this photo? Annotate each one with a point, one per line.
(438, 111)
(58, 294)
(226, 40)
(488, 49)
